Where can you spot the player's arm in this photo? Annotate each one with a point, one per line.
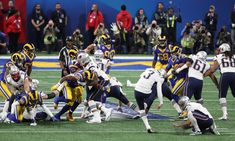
(212, 69)
(184, 66)
(90, 48)
(69, 77)
(47, 110)
(27, 84)
(29, 69)
(214, 80)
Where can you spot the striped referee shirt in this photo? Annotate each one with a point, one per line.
(64, 56)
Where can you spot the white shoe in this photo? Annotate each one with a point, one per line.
(7, 120)
(195, 133)
(94, 120)
(108, 114)
(224, 117)
(33, 124)
(3, 115)
(128, 83)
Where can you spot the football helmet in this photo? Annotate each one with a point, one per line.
(15, 73)
(183, 101)
(202, 55)
(29, 48)
(105, 39)
(34, 84)
(73, 54)
(17, 59)
(224, 47)
(162, 41)
(175, 50)
(83, 58)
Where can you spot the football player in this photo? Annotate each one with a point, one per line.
(103, 64)
(225, 61)
(199, 119)
(29, 52)
(17, 82)
(161, 54)
(197, 67)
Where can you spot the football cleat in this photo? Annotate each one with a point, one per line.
(33, 124)
(195, 133)
(55, 106)
(69, 117)
(108, 114)
(94, 120)
(150, 131)
(225, 117)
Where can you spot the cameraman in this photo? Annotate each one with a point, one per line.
(204, 40)
(223, 37)
(100, 30)
(138, 37)
(153, 31)
(78, 39)
(50, 36)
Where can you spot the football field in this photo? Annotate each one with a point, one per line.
(121, 130)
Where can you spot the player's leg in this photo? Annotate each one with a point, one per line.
(140, 97)
(67, 91)
(223, 89)
(198, 91)
(6, 94)
(179, 86)
(57, 100)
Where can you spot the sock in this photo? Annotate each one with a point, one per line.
(72, 109)
(193, 121)
(223, 104)
(146, 123)
(63, 110)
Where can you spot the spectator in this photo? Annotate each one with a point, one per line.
(38, 20)
(124, 22)
(153, 31)
(223, 37)
(211, 20)
(60, 20)
(187, 42)
(78, 39)
(187, 28)
(139, 42)
(160, 17)
(142, 20)
(196, 34)
(203, 39)
(232, 18)
(9, 12)
(100, 30)
(171, 25)
(3, 43)
(13, 29)
(95, 17)
(50, 36)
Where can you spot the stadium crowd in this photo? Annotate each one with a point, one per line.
(129, 36)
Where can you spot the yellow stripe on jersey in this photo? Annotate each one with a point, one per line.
(179, 87)
(4, 91)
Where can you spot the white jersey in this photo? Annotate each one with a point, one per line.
(147, 79)
(226, 64)
(193, 106)
(104, 64)
(19, 85)
(92, 66)
(198, 67)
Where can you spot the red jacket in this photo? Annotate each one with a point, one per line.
(99, 19)
(124, 19)
(13, 24)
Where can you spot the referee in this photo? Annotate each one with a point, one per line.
(64, 58)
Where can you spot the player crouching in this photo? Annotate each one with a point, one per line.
(199, 119)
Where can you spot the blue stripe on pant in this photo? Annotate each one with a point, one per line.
(226, 80)
(194, 87)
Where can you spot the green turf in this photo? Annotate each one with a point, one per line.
(120, 130)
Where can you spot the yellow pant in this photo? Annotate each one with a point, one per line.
(179, 87)
(72, 94)
(160, 66)
(4, 91)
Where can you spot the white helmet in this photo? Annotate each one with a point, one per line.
(224, 47)
(15, 73)
(34, 84)
(183, 101)
(98, 55)
(202, 55)
(83, 58)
